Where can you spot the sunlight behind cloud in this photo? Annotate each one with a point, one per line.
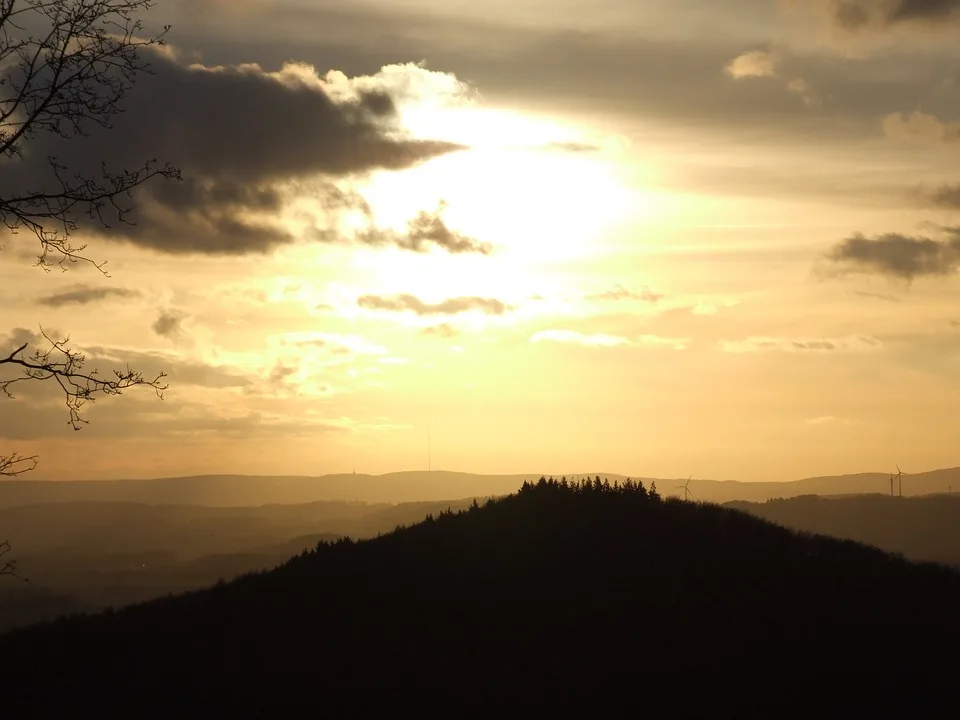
(534, 189)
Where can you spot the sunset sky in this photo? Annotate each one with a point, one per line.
(660, 238)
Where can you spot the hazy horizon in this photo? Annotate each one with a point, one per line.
(508, 474)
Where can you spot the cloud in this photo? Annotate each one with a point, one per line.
(170, 325)
(828, 420)
(802, 87)
(920, 126)
(183, 421)
(564, 67)
(84, 295)
(766, 64)
(443, 330)
(857, 15)
(245, 138)
(577, 338)
(602, 340)
(281, 373)
(898, 256)
(618, 292)
(452, 306)
(337, 344)
(878, 296)
(946, 197)
(657, 341)
(710, 308)
(753, 64)
(572, 147)
(424, 231)
(856, 343)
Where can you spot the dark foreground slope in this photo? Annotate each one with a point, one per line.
(599, 592)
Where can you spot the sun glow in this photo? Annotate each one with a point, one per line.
(540, 193)
(534, 189)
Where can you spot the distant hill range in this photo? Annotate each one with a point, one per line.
(422, 486)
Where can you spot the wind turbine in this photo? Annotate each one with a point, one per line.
(899, 481)
(686, 489)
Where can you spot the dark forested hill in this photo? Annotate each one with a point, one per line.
(602, 592)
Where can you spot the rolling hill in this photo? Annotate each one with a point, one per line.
(607, 594)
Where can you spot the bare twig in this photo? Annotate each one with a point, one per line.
(64, 366)
(17, 464)
(8, 567)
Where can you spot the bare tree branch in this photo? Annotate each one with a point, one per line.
(66, 81)
(65, 367)
(17, 464)
(8, 567)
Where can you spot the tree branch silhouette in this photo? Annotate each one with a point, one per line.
(65, 68)
(8, 567)
(65, 82)
(64, 366)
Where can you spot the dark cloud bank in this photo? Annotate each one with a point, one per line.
(863, 14)
(242, 136)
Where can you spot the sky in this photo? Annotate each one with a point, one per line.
(676, 237)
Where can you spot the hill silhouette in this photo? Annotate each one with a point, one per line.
(562, 589)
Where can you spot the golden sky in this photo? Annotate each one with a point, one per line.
(680, 236)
